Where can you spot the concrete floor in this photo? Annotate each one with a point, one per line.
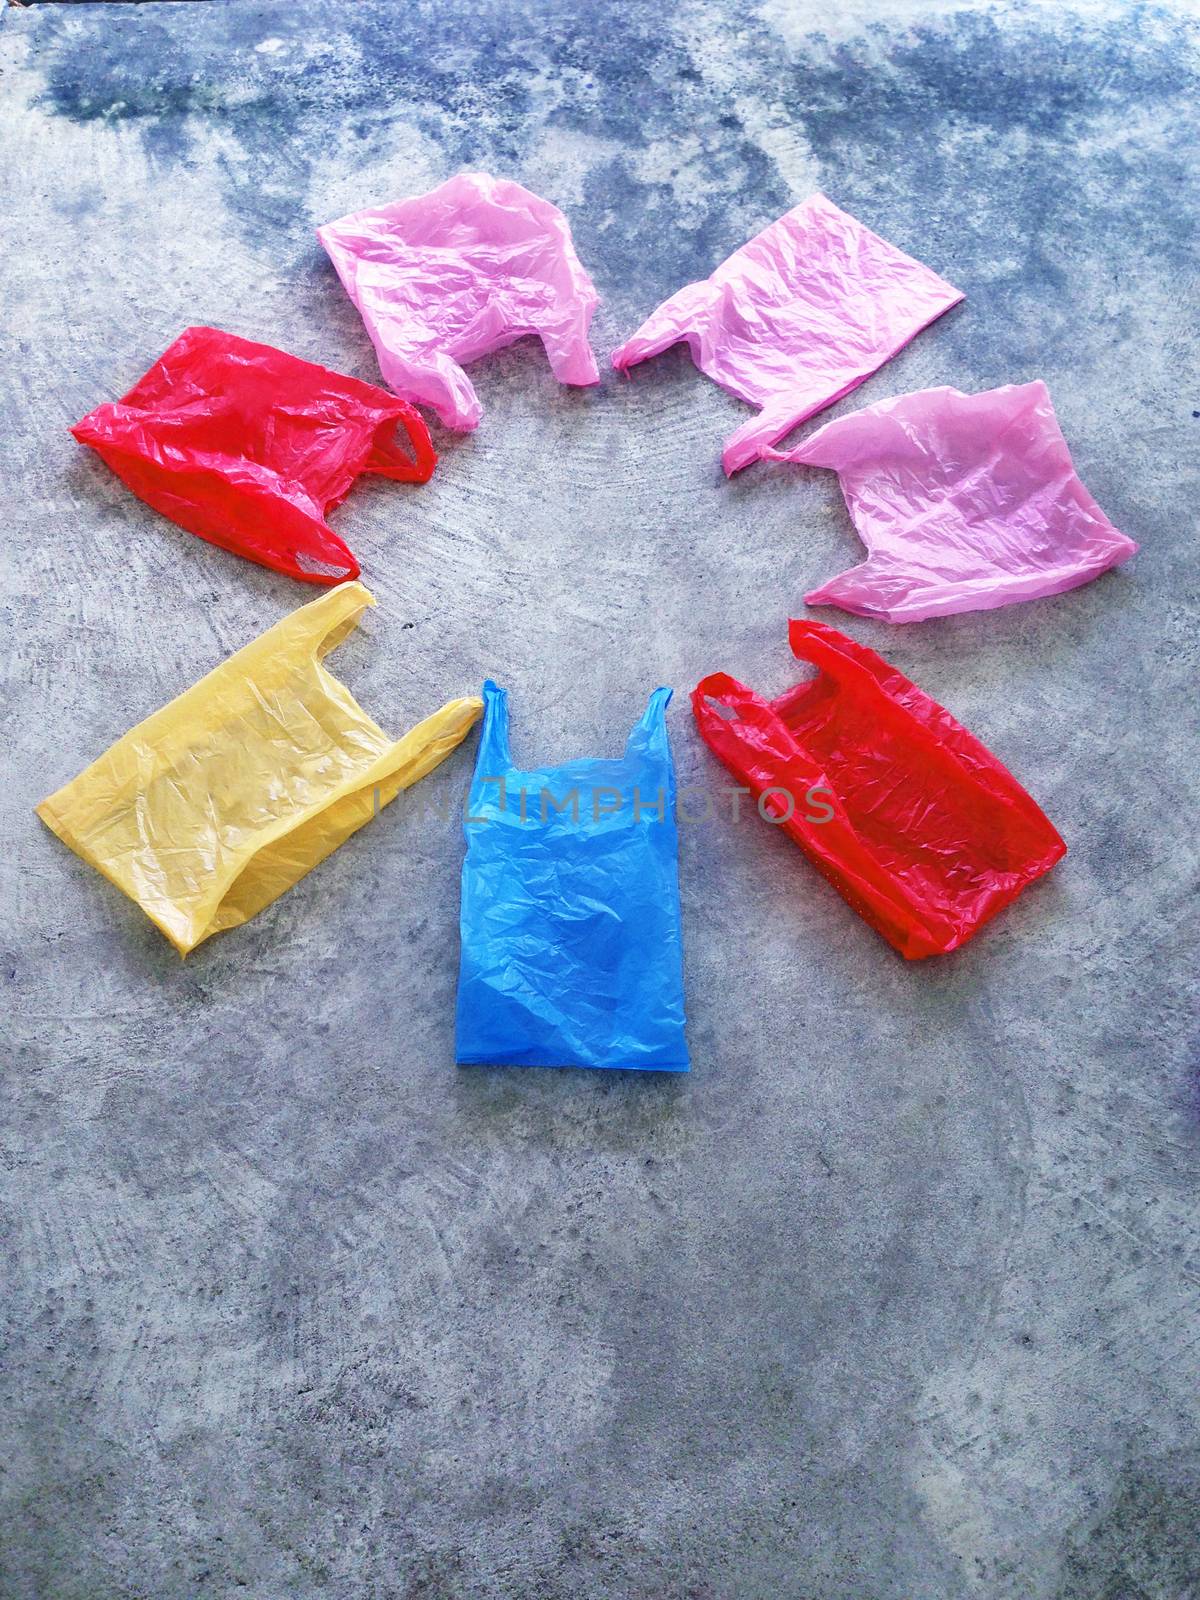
(896, 1295)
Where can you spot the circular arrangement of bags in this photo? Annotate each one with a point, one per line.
(571, 943)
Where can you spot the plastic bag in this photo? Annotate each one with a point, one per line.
(572, 952)
(251, 448)
(911, 819)
(965, 502)
(214, 806)
(795, 319)
(445, 277)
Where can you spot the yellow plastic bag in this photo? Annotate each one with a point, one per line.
(221, 801)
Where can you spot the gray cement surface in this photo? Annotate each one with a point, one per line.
(895, 1297)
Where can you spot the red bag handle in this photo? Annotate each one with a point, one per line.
(387, 458)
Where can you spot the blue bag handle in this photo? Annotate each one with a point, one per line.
(649, 735)
(493, 759)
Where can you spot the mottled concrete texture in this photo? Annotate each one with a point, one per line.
(895, 1298)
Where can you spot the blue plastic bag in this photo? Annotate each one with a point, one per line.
(572, 951)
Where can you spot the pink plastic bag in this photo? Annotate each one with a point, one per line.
(470, 267)
(964, 501)
(795, 319)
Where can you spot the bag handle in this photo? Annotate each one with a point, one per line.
(649, 732)
(322, 624)
(389, 461)
(832, 652)
(494, 758)
(750, 720)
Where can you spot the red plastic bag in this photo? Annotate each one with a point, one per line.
(910, 818)
(250, 448)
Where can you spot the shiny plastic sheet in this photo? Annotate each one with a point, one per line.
(571, 940)
(912, 820)
(445, 277)
(806, 311)
(251, 448)
(214, 806)
(964, 501)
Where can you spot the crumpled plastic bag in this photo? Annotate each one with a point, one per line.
(795, 319)
(964, 501)
(912, 820)
(251, 448)
(211, 808)
(572, 950)
(445, 277)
